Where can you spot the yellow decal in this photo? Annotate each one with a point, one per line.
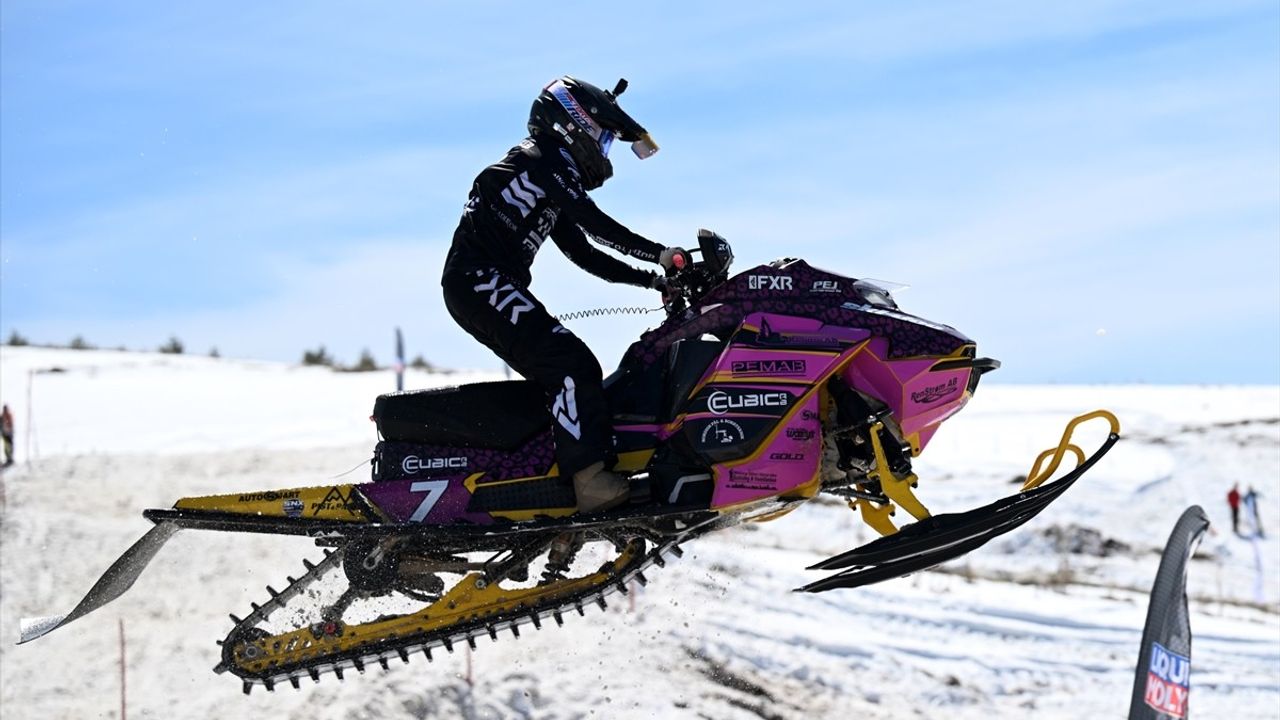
(332, 502)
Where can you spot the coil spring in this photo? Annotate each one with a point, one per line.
(601, 312)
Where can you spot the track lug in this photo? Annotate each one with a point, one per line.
(272, 591)
(383, 662)
(578, 606)
(675, 550)
(559, 618)
(308, 565)
(493, 633)
(622, 587)
(537, 621)
(448, 644)
(515, 630)
(358, 663)
(269, 684)
(337, 670)
(293, 680)
(472, 642)
(427, 651)
(247, 687)
(314, 673)
(256, 607)
(600, 601)
(659, 560)
(234, 619)
(404, 655)
(640, 578)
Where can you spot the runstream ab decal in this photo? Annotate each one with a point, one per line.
(1168, 681)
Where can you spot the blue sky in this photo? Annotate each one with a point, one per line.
(1091, 191)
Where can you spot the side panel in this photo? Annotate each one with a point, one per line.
(919, 396)
(756, 414)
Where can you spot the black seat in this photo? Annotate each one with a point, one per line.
(496, 415)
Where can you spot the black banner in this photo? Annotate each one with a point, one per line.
(1162, 681)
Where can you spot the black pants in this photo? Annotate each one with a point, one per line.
(501, 313)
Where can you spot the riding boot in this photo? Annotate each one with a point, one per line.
(598, 489)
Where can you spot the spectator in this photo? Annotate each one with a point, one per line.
(1233, 499)
(6, 430)
(1250, 501)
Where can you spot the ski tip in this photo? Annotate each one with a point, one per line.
(31, 628)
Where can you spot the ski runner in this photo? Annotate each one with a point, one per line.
(539, 190)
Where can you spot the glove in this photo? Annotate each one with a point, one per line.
(674, 258)
(658, 282)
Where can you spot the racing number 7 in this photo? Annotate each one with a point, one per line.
(434, 490)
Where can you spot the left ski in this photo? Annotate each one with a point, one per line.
(940, 538)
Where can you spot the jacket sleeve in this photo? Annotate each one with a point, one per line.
(573, 243)
(567, 192)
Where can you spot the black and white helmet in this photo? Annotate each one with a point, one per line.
(584, 120)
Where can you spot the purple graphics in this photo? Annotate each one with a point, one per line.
(737, 398)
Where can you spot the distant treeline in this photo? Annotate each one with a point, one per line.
(174, 346)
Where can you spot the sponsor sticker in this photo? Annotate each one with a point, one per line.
(1168, 681)
(293, 508)
(789, 457)
(752, 480)
(722, 431)
(799, 434)
(269, 496)
(775, 368)
(334, 500)
(936, 392)
(721, 402)
(412, 464)
(825, 286)
(768, 282)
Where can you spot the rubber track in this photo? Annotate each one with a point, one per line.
(464, 632)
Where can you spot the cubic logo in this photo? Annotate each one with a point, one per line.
(768, 282)
(825, 286)
(721, 402)
(412, 464)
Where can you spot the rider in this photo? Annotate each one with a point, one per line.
(538, 190)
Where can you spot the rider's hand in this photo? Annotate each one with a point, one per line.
(674, 258)
(658, 282)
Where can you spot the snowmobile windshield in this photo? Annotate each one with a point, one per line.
(879, 293)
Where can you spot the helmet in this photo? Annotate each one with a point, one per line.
(584, 120)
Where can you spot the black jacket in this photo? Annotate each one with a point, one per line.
(532, 193)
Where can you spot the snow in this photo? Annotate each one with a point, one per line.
(1018, 628)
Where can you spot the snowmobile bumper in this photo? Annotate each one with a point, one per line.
(939, 538)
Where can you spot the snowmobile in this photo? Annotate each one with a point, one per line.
(756, 394)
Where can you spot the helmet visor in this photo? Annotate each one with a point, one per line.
(606, 141)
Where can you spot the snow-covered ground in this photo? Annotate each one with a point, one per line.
(1023, 627)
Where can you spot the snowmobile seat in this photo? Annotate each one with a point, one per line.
(497, 415)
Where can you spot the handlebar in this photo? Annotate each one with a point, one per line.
(689, 282)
